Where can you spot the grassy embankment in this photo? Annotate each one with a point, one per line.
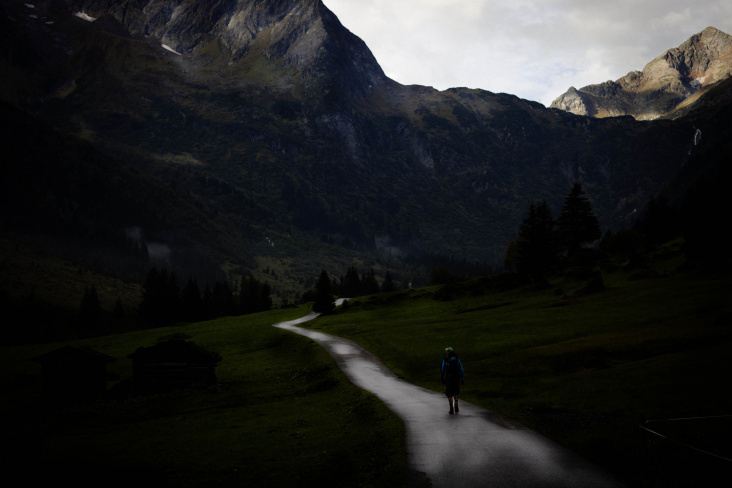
(585, 368)
(283, 414)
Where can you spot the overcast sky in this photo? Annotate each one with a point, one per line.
(535, 49)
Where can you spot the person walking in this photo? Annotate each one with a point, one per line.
(453, 376)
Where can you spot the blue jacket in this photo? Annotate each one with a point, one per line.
(443, 370)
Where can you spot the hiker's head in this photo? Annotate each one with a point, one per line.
(448, 351)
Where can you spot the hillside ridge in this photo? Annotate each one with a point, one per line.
(303, 165)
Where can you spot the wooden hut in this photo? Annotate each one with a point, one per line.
(74, 371)
(173, 364)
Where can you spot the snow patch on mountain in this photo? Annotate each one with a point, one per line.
(165, 46)
(84, 16)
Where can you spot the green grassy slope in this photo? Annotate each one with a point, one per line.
(281, 415)
(583, 365)
(583, 368)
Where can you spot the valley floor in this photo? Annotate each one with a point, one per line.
(475, 447)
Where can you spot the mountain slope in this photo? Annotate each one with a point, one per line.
(678, 77)
(304, 40)
(277, 123)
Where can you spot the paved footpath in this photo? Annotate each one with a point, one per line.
(474, 448)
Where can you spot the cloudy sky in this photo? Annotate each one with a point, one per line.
(534, 49)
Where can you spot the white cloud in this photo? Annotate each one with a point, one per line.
(535, 49)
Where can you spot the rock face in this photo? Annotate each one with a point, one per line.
(674, 80)
(303, 37)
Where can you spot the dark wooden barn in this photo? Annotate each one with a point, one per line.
(173, 364)
(74, 372)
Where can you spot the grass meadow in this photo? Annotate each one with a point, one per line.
(581, 364)
(282, 414)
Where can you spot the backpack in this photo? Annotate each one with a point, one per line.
(452, 368)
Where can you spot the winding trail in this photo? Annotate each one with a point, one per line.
(474, 448)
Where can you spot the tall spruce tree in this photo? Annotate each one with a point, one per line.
(222, 300)
(254, 296)
(90, 313)
(323, 294)
(577, 223)
(369, 285)
(351, 283)
(536, 248)
(388, 284)
(191, 308)
(160, 299)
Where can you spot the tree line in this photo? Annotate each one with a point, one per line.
(165, 302)
(543, 245)
(350, 285)
(543, 242)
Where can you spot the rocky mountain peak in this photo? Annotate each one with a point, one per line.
(673, 80)
(187, 25)
(302, 36)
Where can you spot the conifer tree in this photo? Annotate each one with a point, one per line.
(388, 284)
(351, 283)
(171, 297)
(441, 275)
(150, 310)
(536, 248)
(510, 258)
(191, 302)
(222, 300)
(160, 298)
(577, 223)
(254, 296)
(90, 313)
(369, 285)
(208, 306)
(323, 294)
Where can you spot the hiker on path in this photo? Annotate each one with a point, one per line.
(452, 377)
